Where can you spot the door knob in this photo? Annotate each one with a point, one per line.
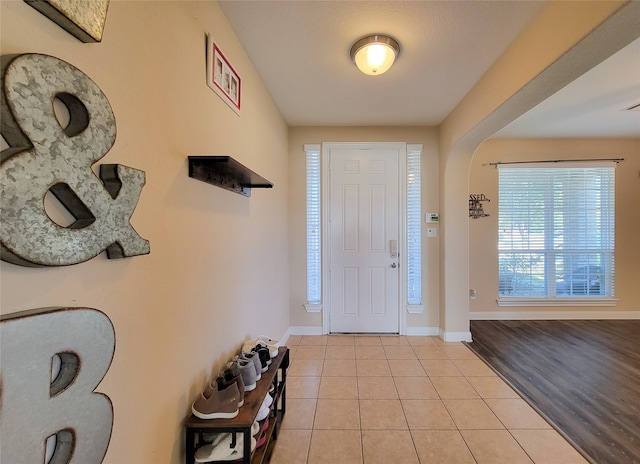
(394, 265)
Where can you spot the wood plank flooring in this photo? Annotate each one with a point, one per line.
(582, 376)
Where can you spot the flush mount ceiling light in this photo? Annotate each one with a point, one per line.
(374, 54)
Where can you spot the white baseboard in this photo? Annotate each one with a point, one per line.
(551, 315)
(305, 330)
(285, 337)
(455, 336)
(313, 330)
(422, 331)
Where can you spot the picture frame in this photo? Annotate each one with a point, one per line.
(222, 77)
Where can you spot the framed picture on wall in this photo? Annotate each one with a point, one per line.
(222, 77)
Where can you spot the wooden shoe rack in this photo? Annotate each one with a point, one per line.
(276, 376)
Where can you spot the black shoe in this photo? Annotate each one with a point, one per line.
(265, 358)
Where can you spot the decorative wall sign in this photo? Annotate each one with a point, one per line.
(84, 19)
(476, 208)
(221, 77)
(52, 361)
(43, 156)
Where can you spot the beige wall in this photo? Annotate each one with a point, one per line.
(483, 232)
(218, 268)
(298, 137)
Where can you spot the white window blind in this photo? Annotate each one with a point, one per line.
(414, 231)
(314, 266)
(556, 230)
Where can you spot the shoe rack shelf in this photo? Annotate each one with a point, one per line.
(276, 376)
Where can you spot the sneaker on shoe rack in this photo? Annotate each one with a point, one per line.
(263, 355)
(265, 426)
(229, 376)
(255, 359)
(247, 371)
(262, 346)
(272, 344)
(223, 451)
(263, 413)
(260, 427)
(268, 401)
(255, 428)
(262, 440)
(269, 343)
(217, 404)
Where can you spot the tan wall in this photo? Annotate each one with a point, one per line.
(298, 137)
(218, 268)
(483, 232)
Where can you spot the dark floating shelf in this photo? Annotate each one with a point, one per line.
(226, 173)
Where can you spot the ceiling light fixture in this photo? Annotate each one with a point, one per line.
(374, 54)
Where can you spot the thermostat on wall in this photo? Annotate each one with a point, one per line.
(433, 218)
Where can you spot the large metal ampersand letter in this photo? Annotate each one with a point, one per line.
(52, 361)
(43, 156)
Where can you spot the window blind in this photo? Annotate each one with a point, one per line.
(414, 230)
(314, 267)
(556, 230)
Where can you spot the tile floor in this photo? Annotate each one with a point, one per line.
(395, 399)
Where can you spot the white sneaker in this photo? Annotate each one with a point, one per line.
(222, 450)
(263, 413)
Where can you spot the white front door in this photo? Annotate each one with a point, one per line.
(364, 229)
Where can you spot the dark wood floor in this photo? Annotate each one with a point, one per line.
(582, 376)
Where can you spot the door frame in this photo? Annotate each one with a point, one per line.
(402, 228)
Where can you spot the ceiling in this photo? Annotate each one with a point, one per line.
(301, 51)
(594, 105)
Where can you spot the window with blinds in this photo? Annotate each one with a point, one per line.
(414, 230)
(314, 259)
(556, 230)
